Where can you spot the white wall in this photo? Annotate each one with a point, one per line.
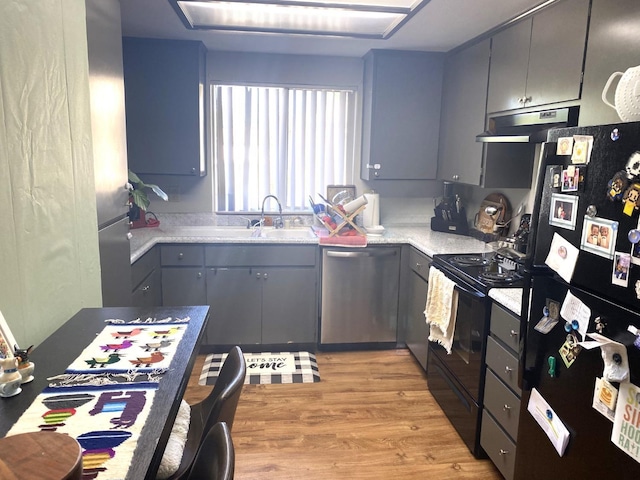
(49, 261)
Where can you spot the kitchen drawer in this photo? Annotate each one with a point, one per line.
(499, 447)
(419, 263)
(260, 255)
(506, 327)
(144, 266)
(503, 363)
(181, 255)
(502, 403)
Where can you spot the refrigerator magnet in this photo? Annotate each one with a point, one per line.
(564, 211)
(617, 186)
(631, 199)
(604, 398)
(562, 257)
(570, 179)
(569, 352)
(565, 146)
(581, 149)
(620, 273)
(599, 236)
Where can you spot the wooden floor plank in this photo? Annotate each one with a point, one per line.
(370, 417)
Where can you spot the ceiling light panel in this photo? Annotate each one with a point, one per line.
(358, 18)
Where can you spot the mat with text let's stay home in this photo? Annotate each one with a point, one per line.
(267, 368)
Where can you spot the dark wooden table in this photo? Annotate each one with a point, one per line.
(59, 350)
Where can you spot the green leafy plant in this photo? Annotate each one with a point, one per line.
(137, 191)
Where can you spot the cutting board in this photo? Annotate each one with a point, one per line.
(491, 223)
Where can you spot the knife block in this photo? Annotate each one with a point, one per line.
(458, 225)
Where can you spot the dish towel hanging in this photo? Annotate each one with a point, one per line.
(441, 308)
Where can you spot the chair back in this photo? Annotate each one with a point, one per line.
(215, 459)
(221, 405)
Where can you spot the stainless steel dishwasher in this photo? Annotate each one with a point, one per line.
(359, 295)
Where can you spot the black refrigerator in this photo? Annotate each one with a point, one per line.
(586, 218)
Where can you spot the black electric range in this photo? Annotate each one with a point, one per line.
(482, 271)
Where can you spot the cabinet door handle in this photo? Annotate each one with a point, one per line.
(502, 451)
(180, 256)
(258, 275)
(146, 288)
(456, 177)
(418, 265)
(265, 276)
(508, 369)
(528, 99)
(199, 275)
(506, 407)
(513, 333)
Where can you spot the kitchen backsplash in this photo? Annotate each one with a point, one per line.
(393, 211)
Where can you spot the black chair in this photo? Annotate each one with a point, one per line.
(219, 406)
(215, 459)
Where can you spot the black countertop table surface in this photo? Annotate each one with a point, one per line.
(59, 350)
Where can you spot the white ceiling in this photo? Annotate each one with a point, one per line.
(439, 26)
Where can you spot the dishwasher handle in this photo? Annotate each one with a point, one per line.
(374, 253)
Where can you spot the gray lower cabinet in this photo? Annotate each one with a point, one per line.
(501, 412)
(539, 60)
(183, 275)
(146, 278)
(262, 294)
(417, 330)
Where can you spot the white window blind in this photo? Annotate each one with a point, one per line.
(288, 142)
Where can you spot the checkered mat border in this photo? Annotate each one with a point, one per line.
(306, 370)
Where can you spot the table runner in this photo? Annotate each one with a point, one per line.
(105, 421)
(119, 348)
(104, 397)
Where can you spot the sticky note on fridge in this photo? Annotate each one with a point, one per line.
(574, 309)
(562, 257)
(550, 423)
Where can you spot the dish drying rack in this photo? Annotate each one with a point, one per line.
(346, 219)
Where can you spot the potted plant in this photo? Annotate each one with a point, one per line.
(139, 201)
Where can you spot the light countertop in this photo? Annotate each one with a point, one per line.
(420, 237)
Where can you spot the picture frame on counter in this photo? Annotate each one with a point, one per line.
(564, 211)
(7, 340)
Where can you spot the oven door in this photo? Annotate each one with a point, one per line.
(466, 361)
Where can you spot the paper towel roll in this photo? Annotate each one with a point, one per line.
(371, 214)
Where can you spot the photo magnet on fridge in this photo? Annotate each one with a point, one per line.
(621, 265)
(599, 236)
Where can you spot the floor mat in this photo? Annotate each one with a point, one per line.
(267, 368)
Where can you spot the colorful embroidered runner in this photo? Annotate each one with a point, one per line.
(104, 397)
(105, 421)
(119, 348)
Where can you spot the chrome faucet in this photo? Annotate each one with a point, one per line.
(279, 223)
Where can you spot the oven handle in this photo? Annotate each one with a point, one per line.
(473, 293)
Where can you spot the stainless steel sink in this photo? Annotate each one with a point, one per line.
(296, 232)
(222, 232)
(241, 232)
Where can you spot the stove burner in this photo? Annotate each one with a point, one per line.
(498, 277)
(469, 260)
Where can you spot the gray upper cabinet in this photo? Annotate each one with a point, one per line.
(463, 114)
(164, 95)
(614, 37)
(401, 115)
(539, 61)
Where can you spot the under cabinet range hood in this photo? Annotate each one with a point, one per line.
(529, 127)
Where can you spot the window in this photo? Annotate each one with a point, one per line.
(288, 142)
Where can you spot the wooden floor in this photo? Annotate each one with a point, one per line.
(370, 417)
